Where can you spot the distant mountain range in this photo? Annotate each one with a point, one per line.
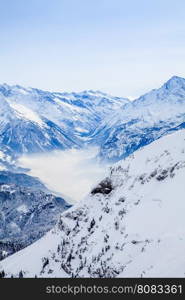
(33, 121)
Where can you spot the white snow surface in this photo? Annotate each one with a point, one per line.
(135, 230)
(22, 208)
(27, 113)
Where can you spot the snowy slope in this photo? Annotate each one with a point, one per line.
(131, 224)
(27, 211)
(142, 121)
(24, 131)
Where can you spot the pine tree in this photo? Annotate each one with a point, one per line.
(21, 274)
(2, 274)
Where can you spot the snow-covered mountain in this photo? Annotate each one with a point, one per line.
(27, 211)
(33, 120)
(142, 121)
(131, 224)
(6, 159)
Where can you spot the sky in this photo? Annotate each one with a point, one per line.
(121, 47)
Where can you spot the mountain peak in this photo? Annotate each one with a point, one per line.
(175, 82)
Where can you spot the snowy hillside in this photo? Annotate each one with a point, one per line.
(6, 160)
(131, 224)
(142, 121)
(27, 211)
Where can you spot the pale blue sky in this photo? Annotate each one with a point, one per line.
(121, 47)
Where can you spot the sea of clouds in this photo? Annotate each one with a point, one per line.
(71, 173)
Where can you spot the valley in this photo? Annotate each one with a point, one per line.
(71, 173)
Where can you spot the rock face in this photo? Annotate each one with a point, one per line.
(130, 225)
(27, 211)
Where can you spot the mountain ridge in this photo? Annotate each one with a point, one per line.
(52, 120)
(66, 120)
(143, 120)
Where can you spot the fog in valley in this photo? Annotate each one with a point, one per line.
(71, 173)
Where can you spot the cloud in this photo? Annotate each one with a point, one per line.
(72, 172)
